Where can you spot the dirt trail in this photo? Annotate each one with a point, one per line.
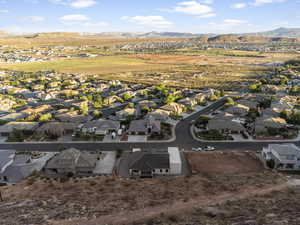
(177, 208)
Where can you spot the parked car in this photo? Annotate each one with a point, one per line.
(209, 148)
(197, 149)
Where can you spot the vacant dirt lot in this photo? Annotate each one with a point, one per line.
(222, 163)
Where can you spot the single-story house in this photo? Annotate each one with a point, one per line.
(147, 126)
(249, 104)
(188, 102)
(145, 164)
(225, 125)
(100, 127)
(40, 109)
(201, 97)
(263, 123)
(57, 129)
(111, 99)
(23, 165)
(71, 162)
(174, 108)
(160, 114)
(238, 109)
(147, 103)
(27, 128)
(125, 113)
(148, 164)
(73, 117)
(13, 117)
(284, 156)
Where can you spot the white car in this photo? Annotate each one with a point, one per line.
(197, 149)
(209, 148)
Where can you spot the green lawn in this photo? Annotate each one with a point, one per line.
(99, 65)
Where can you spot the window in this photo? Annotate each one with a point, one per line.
(167, 171)
(160, 170)
(289, 166)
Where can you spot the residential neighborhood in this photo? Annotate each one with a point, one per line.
(72, 107)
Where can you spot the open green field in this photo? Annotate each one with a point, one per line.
(99, 65)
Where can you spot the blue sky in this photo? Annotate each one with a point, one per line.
(196, 16)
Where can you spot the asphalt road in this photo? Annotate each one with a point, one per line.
(184, 140)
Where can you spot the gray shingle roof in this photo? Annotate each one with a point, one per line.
(72, 158)
(285, 149)
(145, 161)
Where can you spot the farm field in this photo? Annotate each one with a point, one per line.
(99, 65)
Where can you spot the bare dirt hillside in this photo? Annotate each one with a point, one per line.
(120, 201)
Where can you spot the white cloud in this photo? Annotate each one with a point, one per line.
(151, 21)
(33, 19)
(228, 26)
(57, 1)
(74, 19)
(83, 3)
(208, 15)
(75, 3)
(234, 22)
(95, 25)
(262, 2)
(208, 1)
(193, 8)
(3, 11)
(32, 1)
(239, 5)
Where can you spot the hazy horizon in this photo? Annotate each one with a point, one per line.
(98, 16)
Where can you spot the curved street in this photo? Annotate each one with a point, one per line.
(183, 140)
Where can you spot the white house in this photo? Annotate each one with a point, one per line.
(285, 156)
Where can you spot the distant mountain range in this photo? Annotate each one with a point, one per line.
(277, 33)
(280, 32)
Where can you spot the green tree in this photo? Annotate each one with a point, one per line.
(84, 108)
(284, 81)
(45, 117)
(97, 113)
(229, 101)
(127, 97)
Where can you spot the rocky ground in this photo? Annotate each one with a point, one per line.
(274, 208)
(112, 199)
